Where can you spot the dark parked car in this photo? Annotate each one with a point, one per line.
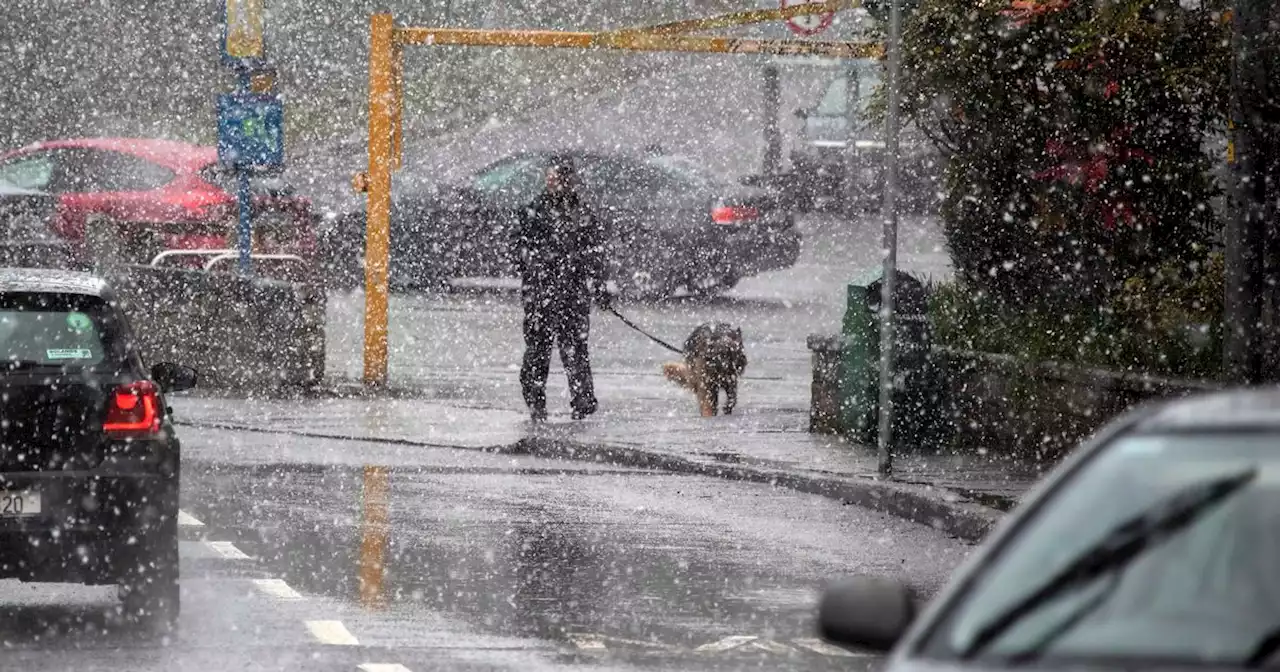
(1155, 545)
(89, 462)
(670, 226)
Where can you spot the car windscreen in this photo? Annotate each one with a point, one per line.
(834, 102)
(51, 330)
(631, 180)
(1206, 592)
(681, 170)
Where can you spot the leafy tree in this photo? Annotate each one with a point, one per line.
(1075, 131)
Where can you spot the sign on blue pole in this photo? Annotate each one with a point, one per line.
(250, 131)
(243, 41)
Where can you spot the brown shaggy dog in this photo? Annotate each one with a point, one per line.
(714, 358)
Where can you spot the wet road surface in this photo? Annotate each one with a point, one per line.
(453, 559)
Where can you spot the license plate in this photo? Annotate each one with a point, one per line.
(18, 503)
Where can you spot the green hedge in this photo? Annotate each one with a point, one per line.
(1168, 323)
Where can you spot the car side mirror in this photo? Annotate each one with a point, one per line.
(174, 377)
(866, 612)
(802, 113)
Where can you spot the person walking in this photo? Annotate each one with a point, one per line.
(559, 251)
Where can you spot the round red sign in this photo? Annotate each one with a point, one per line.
(809, 24)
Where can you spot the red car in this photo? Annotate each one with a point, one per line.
(169, 195)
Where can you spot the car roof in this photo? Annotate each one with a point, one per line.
(172, 154)
(52, 281)
(1240, 409)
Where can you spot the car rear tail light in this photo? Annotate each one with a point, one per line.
(203, 204)
(734, 215)
(133, 409)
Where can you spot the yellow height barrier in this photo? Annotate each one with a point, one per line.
(386, 94)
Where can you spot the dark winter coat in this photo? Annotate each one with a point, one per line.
(559, 249)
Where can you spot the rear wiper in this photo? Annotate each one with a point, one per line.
(1116, 550)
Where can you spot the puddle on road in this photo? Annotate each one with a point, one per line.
(506, 562)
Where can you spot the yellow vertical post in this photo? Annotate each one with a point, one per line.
(397, 109)
(382, 99)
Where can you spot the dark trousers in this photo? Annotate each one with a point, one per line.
(565, 323)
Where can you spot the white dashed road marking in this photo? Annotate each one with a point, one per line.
(605, 640)
(187, 520)
(331, 632)
(725, 644)
(771, 646)
(277, 589)
(227, 550)
(588, 642)
(383, 667)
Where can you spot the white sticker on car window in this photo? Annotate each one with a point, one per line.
(69, 353)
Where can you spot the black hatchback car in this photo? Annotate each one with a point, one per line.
(1157, 545)
(669, 225)
(89, 462)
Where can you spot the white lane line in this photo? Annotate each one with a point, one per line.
(187, 520)
(639, 642)
(772, 646)
(821, 647)
(227, 550)
(588, 642)
(382, 667)
(331, 632)
(277, 588)
(725, 644)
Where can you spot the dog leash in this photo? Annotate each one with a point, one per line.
(642, 332)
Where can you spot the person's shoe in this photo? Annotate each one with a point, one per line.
(581, 413)
(538, 415)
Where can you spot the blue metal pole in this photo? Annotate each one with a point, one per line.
(244, 201)
(246, 225)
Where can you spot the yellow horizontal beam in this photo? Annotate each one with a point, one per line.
(633, 41)
(469, 37)
(743, 18)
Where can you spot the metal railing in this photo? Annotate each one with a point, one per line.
(230, 255)
(169, 254)
(299, 272)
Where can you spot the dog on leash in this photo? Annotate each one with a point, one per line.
(714, 358)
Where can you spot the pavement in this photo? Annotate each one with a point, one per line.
(765, 445)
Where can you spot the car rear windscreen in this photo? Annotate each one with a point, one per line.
(53, 330)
